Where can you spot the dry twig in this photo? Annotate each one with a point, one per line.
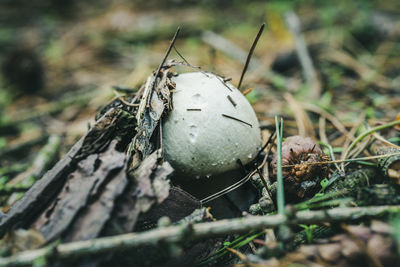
(173, 234)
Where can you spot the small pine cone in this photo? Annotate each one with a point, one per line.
(303, 178)
(351, 250)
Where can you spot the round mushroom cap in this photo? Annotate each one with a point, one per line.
(211, 126)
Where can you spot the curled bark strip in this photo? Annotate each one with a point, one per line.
(82, 186)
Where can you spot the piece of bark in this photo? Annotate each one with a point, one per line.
(82, 186)
(91, 222)
(40, 195)
(141, 194)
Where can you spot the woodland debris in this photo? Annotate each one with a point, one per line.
(174, 234)
(76, 198)
(358, 246)
(356, 179)
(82, 187)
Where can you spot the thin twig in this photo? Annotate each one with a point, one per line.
(328, 116)
(383, 140)
(271, 136)
(253, 46)
(322, 131)
(280, 191)
(222, 44)
(347, 160)
(240, 255)
(363, 135)
(120, 98)
(229, 188)
(180, 55)
(162, 63)
(331, 154)
(235, 185)
(352, 132)
(173, 234)
(303, 122)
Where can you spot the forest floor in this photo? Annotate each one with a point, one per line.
(329, 69)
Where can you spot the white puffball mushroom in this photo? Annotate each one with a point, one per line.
(211, 126)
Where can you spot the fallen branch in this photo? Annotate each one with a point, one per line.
(186, 232)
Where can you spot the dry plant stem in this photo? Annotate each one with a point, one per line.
(120, 98)
(322, 130)
(348, 160)
(361, 148)
(383, 140)
(186, 232)
(230, 188)
(328, 116)
(264, 172)
(352, 132)
(367, 133)
(253, 46)
(267, 149)
(331, 154)
(324, 139)
(367, 74)
(268, 145)
(220, 43)
(280, 191)
(184, 59)
(153, 85)
(240, 255)
(309, 73)
(143, 101)
(248, 176)
(303, 122)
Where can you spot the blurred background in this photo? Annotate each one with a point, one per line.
(62, 60)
